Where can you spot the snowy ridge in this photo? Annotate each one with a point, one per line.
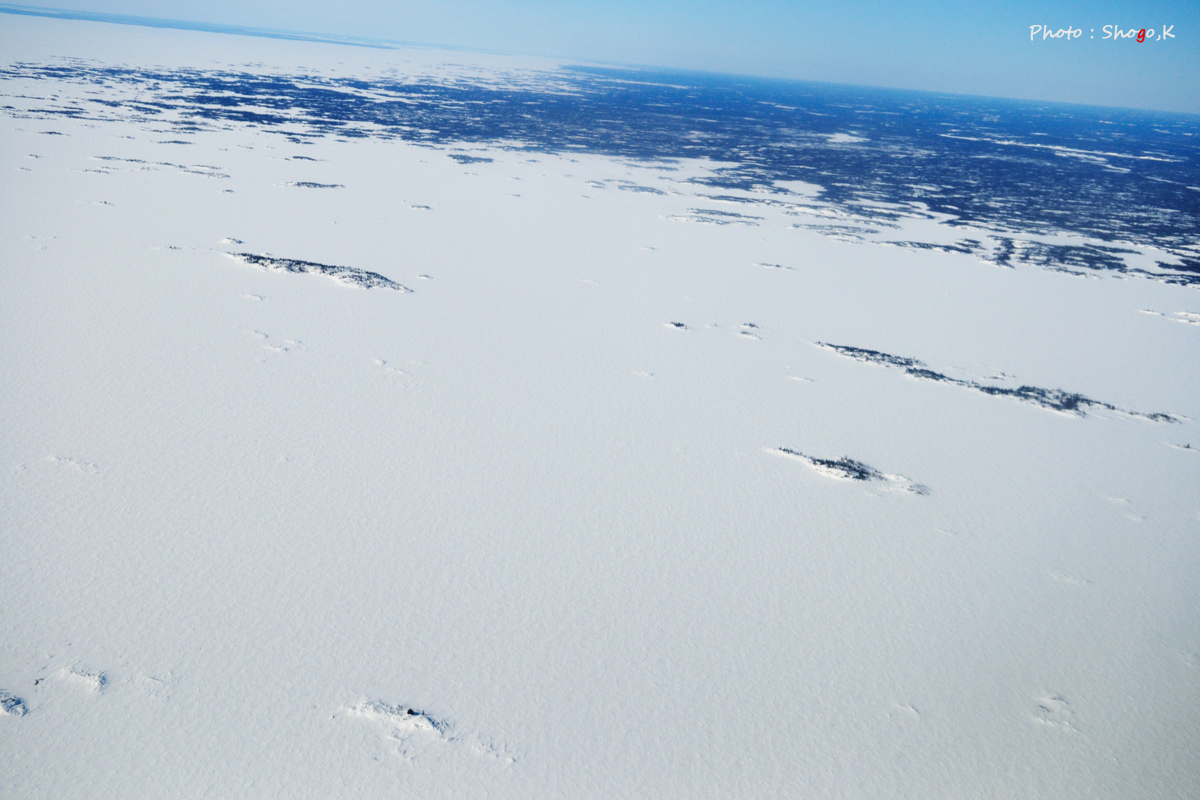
(400, 719)
(412, 733)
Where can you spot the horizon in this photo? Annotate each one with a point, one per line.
(1112, 80)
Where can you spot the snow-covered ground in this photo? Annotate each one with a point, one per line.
(616, 502)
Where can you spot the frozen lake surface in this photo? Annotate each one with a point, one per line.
(406, 422)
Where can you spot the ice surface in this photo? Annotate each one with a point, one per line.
(589, 512)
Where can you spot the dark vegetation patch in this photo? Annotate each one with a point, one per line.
(1053, 399)
(463, 158)
(1111, 175)
(346, 275)
(844, 467)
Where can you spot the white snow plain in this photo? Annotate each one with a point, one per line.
(524, 531)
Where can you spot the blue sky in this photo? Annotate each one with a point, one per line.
(971, 48)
